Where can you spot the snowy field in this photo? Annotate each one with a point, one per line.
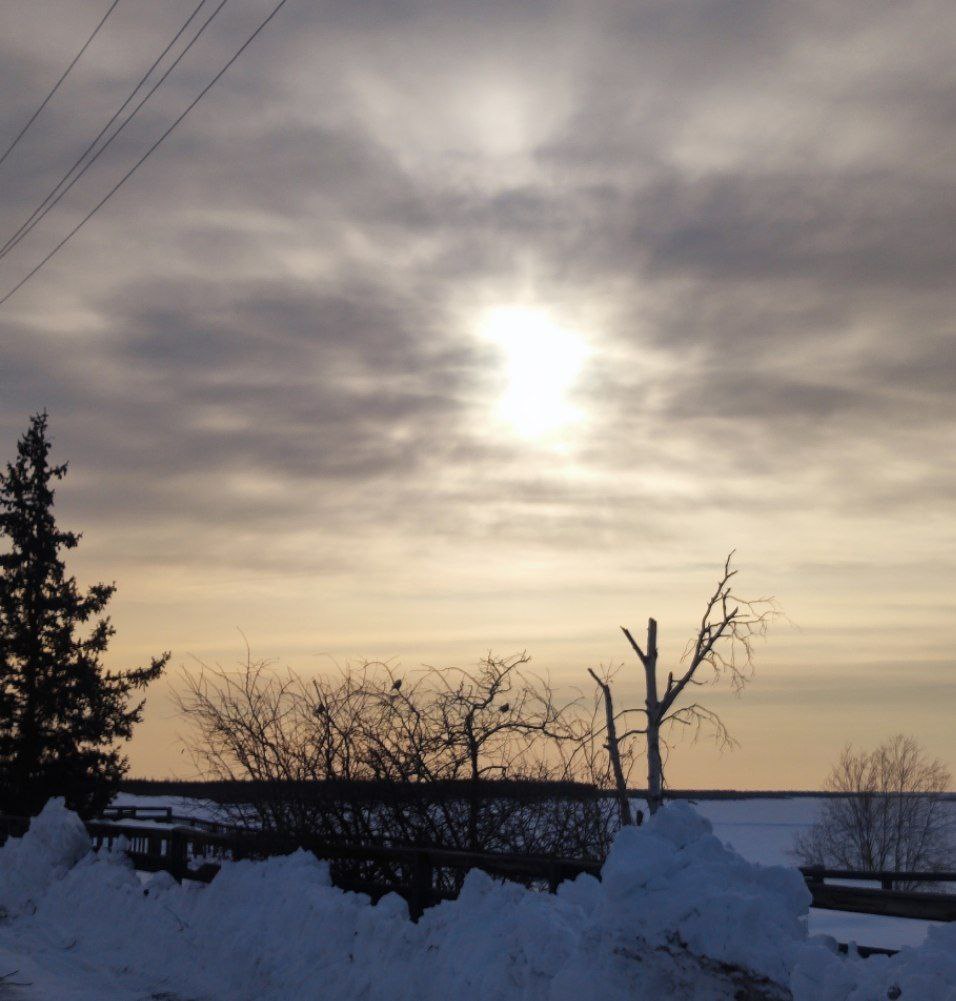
(678, 914)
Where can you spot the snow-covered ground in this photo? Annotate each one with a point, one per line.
(760, 829)
(678, 915)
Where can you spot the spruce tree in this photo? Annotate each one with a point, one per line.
(62, 715)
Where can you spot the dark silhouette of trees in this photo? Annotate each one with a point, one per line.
(890, 813)
(61, 713)
(478, 759)
(383, 745)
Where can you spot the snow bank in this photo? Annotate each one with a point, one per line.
(677, 915)
(673, 882)
(925, 973)
(54, 843)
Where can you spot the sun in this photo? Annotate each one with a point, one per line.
(542, 362)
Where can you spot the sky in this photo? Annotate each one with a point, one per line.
(440, 329)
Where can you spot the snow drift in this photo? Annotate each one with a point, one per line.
(677, 915)
(55, 842)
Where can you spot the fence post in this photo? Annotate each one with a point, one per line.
(154, 845)
(420, 895)
(178, 864)
(554, 877)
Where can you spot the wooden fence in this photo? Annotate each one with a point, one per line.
(157, 839)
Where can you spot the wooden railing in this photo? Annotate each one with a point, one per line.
(423, 876)
(194, 848)
(164, 815)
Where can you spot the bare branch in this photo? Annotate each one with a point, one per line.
(634, 645)
(724, 646)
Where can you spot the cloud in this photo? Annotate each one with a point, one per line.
(268, 329)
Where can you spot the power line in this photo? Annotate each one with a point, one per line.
(56, 86)
(54, 197)
(275, 10)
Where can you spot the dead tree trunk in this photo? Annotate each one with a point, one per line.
(614, 752)
(655, 712)
(655, 765)
(723, 643)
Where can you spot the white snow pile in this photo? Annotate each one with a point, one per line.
(56, 841)
(925, 973)
(677, 915)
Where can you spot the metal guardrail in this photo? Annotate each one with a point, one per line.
(887, 878)
(886, 903)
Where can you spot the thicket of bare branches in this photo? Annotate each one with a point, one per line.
(451, 757)
(722, 648)
(891, 814)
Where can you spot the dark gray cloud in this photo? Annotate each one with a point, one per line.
(757, 200)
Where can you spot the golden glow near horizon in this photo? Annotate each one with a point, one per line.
(543, 360)
(509, 325)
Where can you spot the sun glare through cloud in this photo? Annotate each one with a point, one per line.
(543, 361)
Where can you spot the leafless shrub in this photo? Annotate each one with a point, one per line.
(890, 814)
(448, 757)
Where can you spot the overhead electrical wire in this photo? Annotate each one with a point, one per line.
(69, 236)
(54, 196)
(56, 86)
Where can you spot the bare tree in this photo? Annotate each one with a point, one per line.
(374, 754)
(722, 648)
(889, 813)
